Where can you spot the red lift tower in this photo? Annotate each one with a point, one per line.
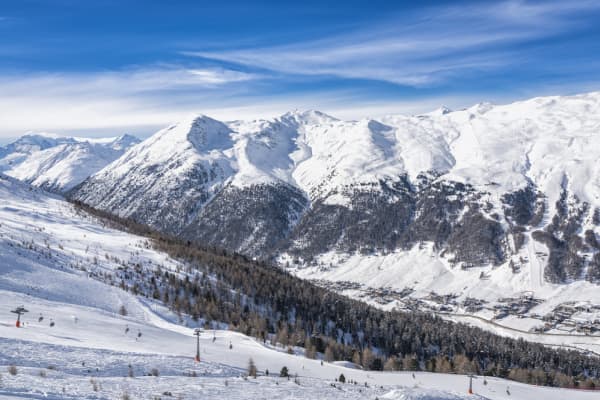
(19, 311)
(471, 377)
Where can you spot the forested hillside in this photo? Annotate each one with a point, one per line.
(264, 301)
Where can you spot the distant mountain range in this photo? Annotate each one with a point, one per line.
(490, 190)
(60, 163)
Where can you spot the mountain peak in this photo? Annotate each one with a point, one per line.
(58, 163)
(308, 117)
(443, 110)
(124, 142)
(206, 133)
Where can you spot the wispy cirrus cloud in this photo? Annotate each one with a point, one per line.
(419, 49)
(142, 101)
(123, 99)
(122, 82)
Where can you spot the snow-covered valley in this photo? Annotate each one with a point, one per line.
(75, 341)
(491, 211)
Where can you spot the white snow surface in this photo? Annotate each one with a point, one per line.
(550, 141)
(60, 163)
(49, 254)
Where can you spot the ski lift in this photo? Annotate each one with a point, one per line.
(19, 311)
(197, 333)
(471, 377)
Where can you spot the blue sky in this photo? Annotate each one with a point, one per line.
(108, 67)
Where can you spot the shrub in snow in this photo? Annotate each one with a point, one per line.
(284, 372)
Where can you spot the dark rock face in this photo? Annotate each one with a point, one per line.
(454, 217)
(523, 206)
(439, 205)
(523, 209)
(594, 269)
(477, 240)
(251, 220)
(262, 220)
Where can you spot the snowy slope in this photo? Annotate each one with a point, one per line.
(187, 162)
(49, 255)
(60, 163)
(548, 143)
(545, 140)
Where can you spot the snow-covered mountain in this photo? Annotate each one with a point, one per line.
(60, 163)
(483, 203)
(493, 166)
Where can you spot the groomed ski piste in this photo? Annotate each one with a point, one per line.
(74, 342)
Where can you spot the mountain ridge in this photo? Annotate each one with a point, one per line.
(488, 167)
(59, 163)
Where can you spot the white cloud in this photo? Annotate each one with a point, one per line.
(59, 106)
(419, 49)
(219, 77)
(123, 100)
(88, 108)
(125, 82)
(80, 105)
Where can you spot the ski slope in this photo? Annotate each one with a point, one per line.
(48, 256)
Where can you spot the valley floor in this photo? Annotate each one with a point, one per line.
(519, 305)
